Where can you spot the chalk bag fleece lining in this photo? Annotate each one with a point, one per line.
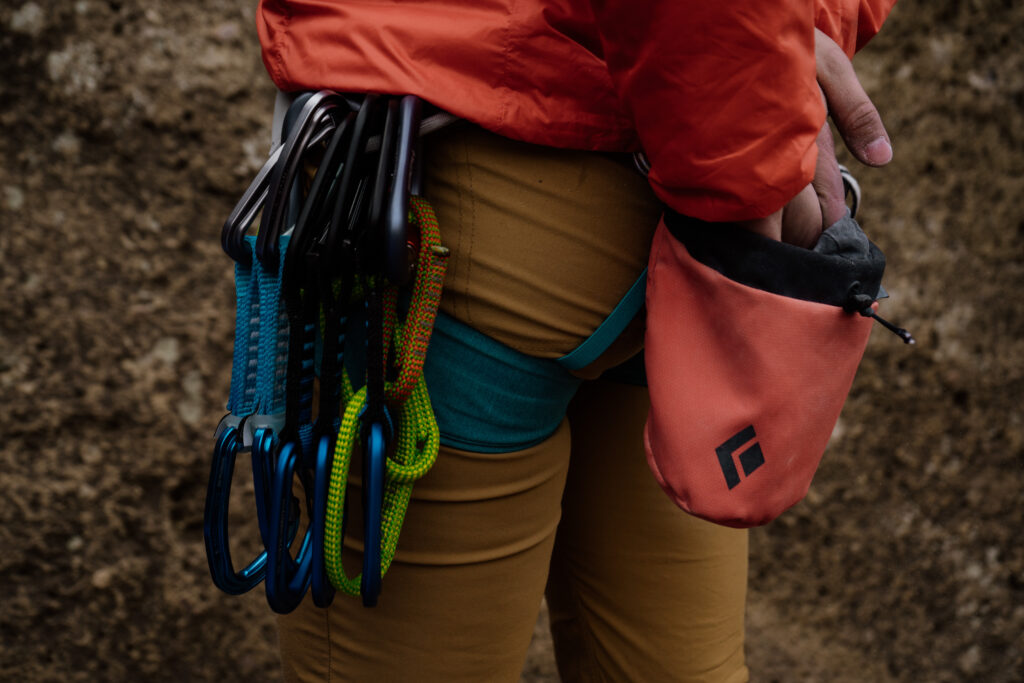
(751, 349)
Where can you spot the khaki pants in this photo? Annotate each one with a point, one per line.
(545, 242)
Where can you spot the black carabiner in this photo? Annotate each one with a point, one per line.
(232, 235)
(346, 211)
(242, 216)
(314, 217)
(402, 249)
(373, 237)
(313, 122)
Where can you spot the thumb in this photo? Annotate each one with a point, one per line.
(851, 109)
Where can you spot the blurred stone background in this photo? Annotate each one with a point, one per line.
(129, 130)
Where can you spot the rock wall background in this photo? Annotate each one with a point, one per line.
(130, 128)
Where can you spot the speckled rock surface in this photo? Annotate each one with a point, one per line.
(130, 128)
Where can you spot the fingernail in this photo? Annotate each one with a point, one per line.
(878, 152)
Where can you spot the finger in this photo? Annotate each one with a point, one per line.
(828, 183)
(801, 219)
(849, 106)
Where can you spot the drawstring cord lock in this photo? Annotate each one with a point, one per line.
(861, 303)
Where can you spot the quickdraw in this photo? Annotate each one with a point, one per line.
(389, 485)
(340, 248)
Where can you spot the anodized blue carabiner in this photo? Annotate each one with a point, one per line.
(263, 445)
(287, 577)
(320, 585)
(373, 501)
(215, 522)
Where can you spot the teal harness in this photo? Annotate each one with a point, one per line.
(489, 398)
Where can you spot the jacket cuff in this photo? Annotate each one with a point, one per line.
(851, 23)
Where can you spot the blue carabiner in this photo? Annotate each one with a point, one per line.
(373, 502)
(263, 445)
(320, 584)
(215, 522)
(287, 577)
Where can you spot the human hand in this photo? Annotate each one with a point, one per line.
(856, 119)
(822, 203)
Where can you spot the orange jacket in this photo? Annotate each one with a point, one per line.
(721, 95)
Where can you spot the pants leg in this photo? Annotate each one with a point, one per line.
(638, 590)
(544, 244)
(462, 594)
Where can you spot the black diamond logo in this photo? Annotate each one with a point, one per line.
(750, 459)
